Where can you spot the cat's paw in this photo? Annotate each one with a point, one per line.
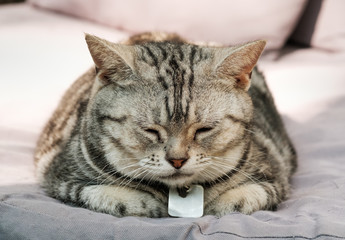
(245, 199)
(120, 201)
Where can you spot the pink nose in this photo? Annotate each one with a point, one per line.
(177, 163)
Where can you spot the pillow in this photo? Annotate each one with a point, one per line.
(223, 21)
(322, 25)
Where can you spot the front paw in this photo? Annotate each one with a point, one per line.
(120, 201)
(245, 199)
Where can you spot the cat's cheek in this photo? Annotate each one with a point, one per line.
(245, 199)
(226, 140)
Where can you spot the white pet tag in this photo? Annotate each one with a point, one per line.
(190, 206)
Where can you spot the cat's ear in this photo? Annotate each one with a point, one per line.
(237, 63)
(113, 61)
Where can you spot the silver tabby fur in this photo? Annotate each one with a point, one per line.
(158, 112)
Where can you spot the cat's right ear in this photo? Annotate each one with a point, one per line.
(113, 61)
(236, 63)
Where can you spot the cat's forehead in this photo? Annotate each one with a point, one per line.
(156, 53)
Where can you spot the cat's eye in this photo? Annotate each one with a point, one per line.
(153, 132)
(201, 131)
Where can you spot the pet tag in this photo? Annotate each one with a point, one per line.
(187, 203)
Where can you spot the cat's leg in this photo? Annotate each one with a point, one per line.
(115, 200)
(246, 198)
(122, 201)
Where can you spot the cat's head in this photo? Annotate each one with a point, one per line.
(170, 111)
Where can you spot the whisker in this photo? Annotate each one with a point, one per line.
(116, 171)
(210, 176)
(143, 177)
(134, 177)
(234, 158)
(251, 131)
(125, 177)
(137, 172)
(253, 179)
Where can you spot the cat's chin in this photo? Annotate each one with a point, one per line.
(176, 179)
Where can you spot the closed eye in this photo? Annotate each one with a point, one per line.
(201, 131)
(153, 132)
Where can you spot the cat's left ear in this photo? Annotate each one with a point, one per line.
(237, 63)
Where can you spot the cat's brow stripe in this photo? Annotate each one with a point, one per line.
(200, 55)
(163, 82)
(152, 56)
(121, 119)
(210, 138)
(181, 54)
(185, 86)
(164, 52)
(237, 120)
(191, 66)
(178, 76)
(177, 87)
(167, 109)
(141, 56)
(143, 137)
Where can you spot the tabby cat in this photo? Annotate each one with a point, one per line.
(158, 112)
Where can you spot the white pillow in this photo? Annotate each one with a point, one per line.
(223, 21)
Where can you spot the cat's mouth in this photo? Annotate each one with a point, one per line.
(176, 175)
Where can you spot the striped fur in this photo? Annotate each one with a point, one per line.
(158, 112)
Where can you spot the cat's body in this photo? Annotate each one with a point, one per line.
(167, 114)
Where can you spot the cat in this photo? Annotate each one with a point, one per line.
(158, 112)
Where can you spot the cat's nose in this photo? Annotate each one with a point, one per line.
(178, 163)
